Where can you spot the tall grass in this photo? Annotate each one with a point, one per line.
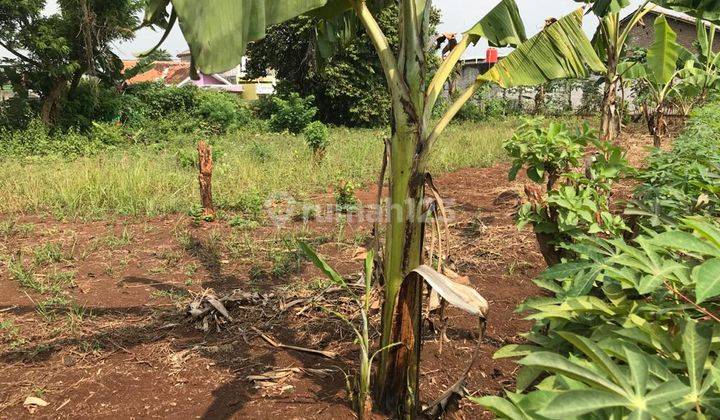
(152, 180)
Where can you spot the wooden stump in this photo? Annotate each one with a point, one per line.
(205, 167)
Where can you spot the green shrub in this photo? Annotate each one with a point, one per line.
(316, 136)
(630, 329)
(293, 113)
(164, 100)
(220, 110)
(89, 103)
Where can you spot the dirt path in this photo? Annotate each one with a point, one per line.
(103, 334)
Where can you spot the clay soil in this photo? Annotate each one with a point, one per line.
(114, 340)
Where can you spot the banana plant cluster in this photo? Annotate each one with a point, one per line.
(218, 31)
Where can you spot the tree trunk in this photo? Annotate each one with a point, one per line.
(539, 100)
(51, 104)
(660, 127)
(609, 117)
(205, 167)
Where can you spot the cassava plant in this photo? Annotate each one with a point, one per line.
(218, 32)
(578, 171)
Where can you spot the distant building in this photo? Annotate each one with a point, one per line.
(684, 25)
(177, 73)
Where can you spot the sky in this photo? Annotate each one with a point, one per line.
(457, 16)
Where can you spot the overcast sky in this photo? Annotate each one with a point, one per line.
(457, 16)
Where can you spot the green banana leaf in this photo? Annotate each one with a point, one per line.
(502, 26)
(704, 9)
(602, 8)
(218, 31)
(662, 56)
(560, 51)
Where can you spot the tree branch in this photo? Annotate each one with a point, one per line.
(18, 54)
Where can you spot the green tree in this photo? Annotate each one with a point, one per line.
(217, 36)
(51, 53)
(348, 86)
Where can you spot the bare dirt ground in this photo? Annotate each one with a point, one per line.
(98, 328)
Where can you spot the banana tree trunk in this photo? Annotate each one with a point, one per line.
(401, 321)
(609, 117)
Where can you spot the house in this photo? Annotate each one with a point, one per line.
(177, 73)
(684, 25)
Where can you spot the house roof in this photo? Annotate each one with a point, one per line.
(168, 72)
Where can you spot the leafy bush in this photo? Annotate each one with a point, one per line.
(630, 330)
(683, 181)
(91, 102)
(546, 151)
(220, 110)
(552, 155)
(162, 100)
(292, 114)
(316, 136)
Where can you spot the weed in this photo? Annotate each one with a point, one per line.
(24, 275)
(49, 308)
(47, 253)
(189, 282)
(113, 241)
(243, 223)
(75, 317)
(345, 199)
(175, 295)
(12, 334)
(191, 269)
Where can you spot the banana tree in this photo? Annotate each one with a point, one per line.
(701, 72)
(612, 37)
(217, 33)
(661, 74)
(610, 41)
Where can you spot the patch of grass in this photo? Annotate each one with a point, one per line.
(47, 253)
(24, 275)
(49, 308)
(138, 180)
(114, 241)
(12, 334)
(75, 317)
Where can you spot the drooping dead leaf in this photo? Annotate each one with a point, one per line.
(458, 295)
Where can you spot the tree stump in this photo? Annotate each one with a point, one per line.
(205, 167)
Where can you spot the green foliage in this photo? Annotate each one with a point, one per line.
(349, 87)
(345, 199)
(546, 151)
(51, 50)
(684, 180)
(220, 110)
(293, 113)
(159, 100)
(316, 136)
(628, 331)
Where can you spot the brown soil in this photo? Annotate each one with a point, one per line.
(132, 353)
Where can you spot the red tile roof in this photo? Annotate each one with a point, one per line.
(168, 72)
